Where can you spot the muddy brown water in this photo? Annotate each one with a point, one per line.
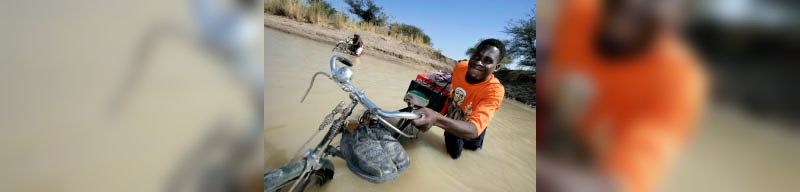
(506, 163)
(730, 151)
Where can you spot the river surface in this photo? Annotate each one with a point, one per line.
(729, 151)
(506, 163)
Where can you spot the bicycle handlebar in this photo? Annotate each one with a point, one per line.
(342, 78)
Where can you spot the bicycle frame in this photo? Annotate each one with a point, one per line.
(314, 161)
(301, 169)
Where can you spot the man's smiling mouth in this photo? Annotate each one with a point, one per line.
(476, 67)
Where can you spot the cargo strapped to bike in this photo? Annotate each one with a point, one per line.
(429, 90)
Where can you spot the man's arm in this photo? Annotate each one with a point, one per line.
(462, 129)
(480, 116)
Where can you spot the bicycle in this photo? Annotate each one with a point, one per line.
(344, 47)
(314, 167)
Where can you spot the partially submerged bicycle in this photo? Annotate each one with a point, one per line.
(344, 47)
(314, 167)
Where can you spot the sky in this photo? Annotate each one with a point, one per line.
(454, 26)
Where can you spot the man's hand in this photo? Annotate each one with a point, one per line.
(461, 129)
(428, 119)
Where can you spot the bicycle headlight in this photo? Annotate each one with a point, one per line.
(343, 75)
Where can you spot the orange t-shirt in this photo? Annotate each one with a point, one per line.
(635, 113)
(476, 103)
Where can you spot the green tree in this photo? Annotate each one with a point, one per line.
(523, 42)
(506, 59)
(367, 11)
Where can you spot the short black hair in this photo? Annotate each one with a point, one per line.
(495, 43)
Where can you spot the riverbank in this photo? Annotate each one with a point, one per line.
(380, 46)
(520, 85)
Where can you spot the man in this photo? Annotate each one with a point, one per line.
(356, 47)
(621, 93)
(476, 96)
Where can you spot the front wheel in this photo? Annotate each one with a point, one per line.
(320, 176)
(279, 178)
(283, 178)
(340, 46)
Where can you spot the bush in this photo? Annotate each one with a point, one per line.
(368, 11)
(318, 13)
(293, 9)
(366, 26)
(410, 33)
(339, 20)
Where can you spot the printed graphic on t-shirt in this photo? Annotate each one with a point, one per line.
(454, 110)
(458, 95)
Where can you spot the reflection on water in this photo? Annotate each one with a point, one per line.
(505, 164)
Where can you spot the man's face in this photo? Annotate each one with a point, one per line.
(482, 64)
(628, 26)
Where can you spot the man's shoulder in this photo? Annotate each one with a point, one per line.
(460, 66)
(496, 87)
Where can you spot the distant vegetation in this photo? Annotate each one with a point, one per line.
(371, 16)
(367, 11)
(312, 11)
(409, 33)
(522, 44)
(521, 84)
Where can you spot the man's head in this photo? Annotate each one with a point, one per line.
(628, 27)
(485, 60)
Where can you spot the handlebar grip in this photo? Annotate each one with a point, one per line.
(345, 61)
(397, 114)
(393, 128)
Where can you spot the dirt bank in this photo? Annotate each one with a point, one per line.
(520, 85)
(376, 45)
